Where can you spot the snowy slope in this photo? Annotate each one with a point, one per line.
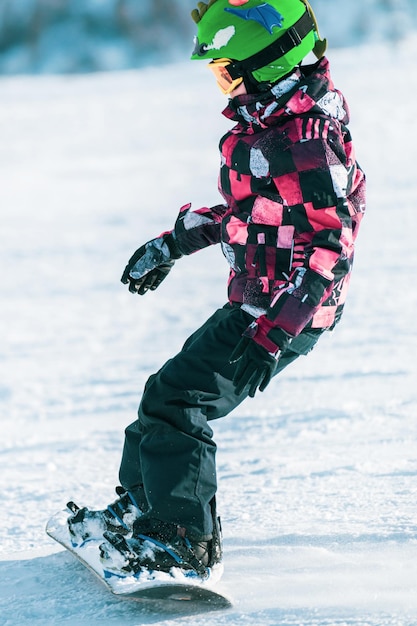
(317, 475)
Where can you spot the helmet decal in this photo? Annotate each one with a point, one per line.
(264, 14)
(221, 38)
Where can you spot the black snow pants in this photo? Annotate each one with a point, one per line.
(169, 449)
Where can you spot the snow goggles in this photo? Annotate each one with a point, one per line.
(225, 81)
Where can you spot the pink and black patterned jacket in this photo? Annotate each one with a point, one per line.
(294, 197)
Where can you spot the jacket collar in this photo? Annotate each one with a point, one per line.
(309, 89)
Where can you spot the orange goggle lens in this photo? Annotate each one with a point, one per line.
(225, 82)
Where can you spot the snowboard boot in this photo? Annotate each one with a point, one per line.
(157, 545)
(118, 517)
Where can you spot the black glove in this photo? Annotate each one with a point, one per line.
(150, 264)
(255, 366)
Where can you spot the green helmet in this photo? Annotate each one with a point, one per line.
(268, 38)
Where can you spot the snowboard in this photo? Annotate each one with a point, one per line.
(174, 591)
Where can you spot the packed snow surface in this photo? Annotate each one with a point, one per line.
(317, 475)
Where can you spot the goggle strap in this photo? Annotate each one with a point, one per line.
(321, 44)
(277, 49)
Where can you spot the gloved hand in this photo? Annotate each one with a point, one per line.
(255, 366)
(150, 264)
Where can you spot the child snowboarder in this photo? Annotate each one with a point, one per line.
(293, 197)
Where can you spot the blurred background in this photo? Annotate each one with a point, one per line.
(77, 36)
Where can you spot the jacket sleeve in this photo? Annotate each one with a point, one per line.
(195, 230)
(315, 183)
